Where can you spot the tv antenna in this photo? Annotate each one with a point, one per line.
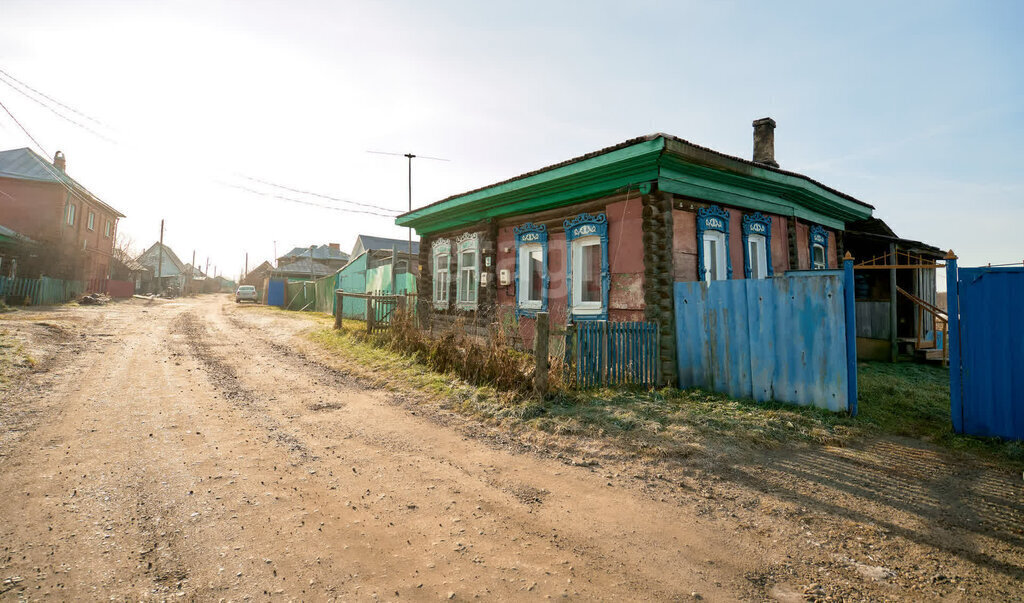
(410, 157)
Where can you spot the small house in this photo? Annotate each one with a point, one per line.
(605, 236)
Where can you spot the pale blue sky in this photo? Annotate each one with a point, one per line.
(916, 108)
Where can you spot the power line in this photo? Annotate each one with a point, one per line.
(304, 202)
(23, 128)
(320, 195)
(54, 111)
(50, 98)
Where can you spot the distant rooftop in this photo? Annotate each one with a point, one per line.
(26, 164)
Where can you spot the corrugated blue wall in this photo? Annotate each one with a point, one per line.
(781, 339)
(992, 351)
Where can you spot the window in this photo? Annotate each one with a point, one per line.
(71, 214)
(92, 221)
(757, 246)
(442, 252)
(531, 269)
(588, 275)
(713, 262)
(819, 247)
(106, 229)
(466, 286)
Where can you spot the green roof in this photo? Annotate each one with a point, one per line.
(673, 164)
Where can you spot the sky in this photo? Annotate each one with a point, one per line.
(914, 107)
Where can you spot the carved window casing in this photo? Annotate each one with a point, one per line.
(713, 261)
(467, 287)
(818, 238)
(587, 273)
(441, 252)
(757, 246)
(531, 269)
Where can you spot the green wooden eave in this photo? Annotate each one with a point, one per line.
(677, 167)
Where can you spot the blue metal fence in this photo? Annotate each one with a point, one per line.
(986, 350)
(785, 338)
(615, 353)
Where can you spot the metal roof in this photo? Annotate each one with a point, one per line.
(372, 242)
(149, 259)
(321, 252)
(303, 267)
(26, 164)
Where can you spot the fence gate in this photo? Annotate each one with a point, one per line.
(613, 353)
(986, 330)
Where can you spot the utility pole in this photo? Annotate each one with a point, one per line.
(207, 271)
(312, 276)
(160, 258)
(275, 254)
(192, 270)
(410, 157)
(246, 264)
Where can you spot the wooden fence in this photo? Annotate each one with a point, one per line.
(614, 353)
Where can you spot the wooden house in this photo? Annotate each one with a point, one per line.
(604, 236)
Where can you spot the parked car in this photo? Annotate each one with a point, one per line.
(246, 292)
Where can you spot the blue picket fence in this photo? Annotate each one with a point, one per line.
(615, 353)
(39, 291)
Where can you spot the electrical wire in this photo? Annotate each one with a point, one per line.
(23, 129)
(320, 195)
(55, 112)
(50, 98)
(304, 202)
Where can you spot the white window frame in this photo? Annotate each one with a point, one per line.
(91, 224)
(106, 229)
(525, 285)
(824, 257)
(760, 269)
(578, 305)
(468, 298)
(715, 237)
(441, 248)
(70, 218)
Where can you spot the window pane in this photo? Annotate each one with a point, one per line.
(591, 273)
(536, 275)
(819, 257)
(711, 259)
(755, 259)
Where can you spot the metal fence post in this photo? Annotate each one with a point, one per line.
(851, 334)
(956, 407)
(540, 353)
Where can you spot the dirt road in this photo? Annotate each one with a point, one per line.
(186, 449)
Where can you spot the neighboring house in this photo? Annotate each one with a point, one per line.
(74, 228)
(258, 275)
(884, 334)
(371, 271)
(364, 242)
(301, 270)
(330, 256)
(166, 271)
(606, 235)
(124, 268)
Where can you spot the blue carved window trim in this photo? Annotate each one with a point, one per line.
(817, 236)
(757, 224)
(532, 234)
(717, 219)
(582, 226)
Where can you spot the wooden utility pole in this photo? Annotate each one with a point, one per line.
(160, 258)
(244, 274)
(192, 272)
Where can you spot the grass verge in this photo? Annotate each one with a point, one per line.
(895, 399)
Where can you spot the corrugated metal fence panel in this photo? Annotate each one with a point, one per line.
(43, 291)
(992, 351)
(775, 339)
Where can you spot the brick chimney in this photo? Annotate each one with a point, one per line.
(335, 246)
(59, 162)
(764, 141)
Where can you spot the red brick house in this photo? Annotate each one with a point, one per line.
(74, 229)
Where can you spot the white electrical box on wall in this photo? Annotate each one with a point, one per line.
(503, 277)
(483, 278)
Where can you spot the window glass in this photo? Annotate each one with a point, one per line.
(757, 256)
(535, 274)
(71, 214)
(591, 276)
(467, 282)
(441, 275)
(819, 257)
(92, 220)
(106, 229)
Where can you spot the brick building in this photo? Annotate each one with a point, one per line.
(73, 229)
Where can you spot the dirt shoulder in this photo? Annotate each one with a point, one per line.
(209, 450)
